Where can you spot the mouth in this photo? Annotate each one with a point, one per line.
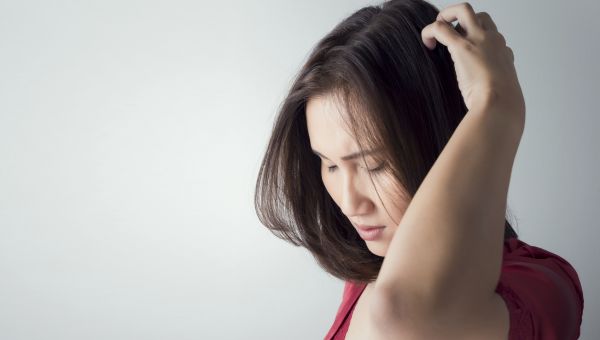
(370, 233)
(369, 227)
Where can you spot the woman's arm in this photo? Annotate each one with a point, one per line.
(447, 250)
(444, 261)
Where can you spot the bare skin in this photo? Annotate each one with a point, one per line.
(447, 289)
(347, 181)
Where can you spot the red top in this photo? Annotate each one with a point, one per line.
(541, 290)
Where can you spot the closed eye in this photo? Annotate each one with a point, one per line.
(377, 169)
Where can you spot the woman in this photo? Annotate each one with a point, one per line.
(390, 161)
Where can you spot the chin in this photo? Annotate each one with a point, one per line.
(377, 249)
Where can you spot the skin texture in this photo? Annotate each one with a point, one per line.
(451, 282)
(347, 181)
(446, 289)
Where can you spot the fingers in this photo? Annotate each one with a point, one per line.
(440, 31)
(511, 54)
(466, 17)
(486, 22)
(471, 26)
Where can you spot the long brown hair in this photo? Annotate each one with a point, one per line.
(399, 96)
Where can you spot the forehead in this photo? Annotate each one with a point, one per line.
(327, 130)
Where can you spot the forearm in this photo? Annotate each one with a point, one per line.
(449, 241)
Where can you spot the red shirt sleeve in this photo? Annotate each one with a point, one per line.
(542, 292)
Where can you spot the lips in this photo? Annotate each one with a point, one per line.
(370, 233)
(367, 227)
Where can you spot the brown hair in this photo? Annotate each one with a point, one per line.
(399, 95)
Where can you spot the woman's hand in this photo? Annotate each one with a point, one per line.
(483, 63)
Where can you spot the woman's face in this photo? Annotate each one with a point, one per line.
(347, 179)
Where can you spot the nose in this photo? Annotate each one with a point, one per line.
(354, 200)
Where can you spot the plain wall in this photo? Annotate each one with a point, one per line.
(130, 138)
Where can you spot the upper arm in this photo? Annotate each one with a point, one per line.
(487, 320)
(536, 298)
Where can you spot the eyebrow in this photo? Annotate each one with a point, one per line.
(350, 156)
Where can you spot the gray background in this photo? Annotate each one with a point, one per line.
(130, 138)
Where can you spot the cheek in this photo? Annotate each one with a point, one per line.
(328, 184)
(388, 183)
(393, 196)
(333, 185)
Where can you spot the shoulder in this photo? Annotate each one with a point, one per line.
(542, 292)
(352, 290)
(350, 294)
